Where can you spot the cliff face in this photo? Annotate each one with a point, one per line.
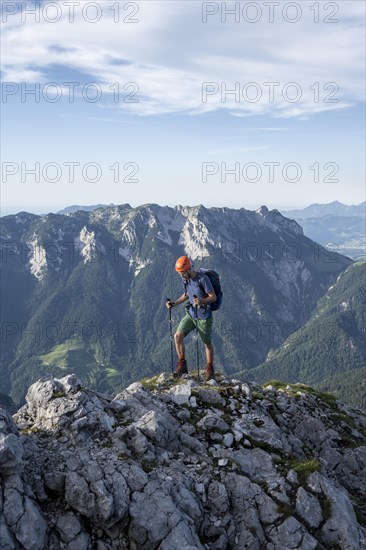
(182, 466)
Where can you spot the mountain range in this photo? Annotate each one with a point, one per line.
(85, 292)
(337, 226)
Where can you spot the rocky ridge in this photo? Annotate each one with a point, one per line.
(166, 465)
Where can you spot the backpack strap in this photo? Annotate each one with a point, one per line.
(185, 283)
(200, 285)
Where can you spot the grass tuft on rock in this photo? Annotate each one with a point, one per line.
(304, 468)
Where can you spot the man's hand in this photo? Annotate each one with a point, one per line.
(170, 303)
(211, 297)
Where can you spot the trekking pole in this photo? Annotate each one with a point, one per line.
(171, 335)
(197, 353)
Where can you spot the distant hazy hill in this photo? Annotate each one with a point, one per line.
(329, 350)
(336, 226)
(75, 208)
(334, 208)
(343, 234)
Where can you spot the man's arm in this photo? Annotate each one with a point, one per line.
(207, 288)
(211, 297)
(180, 300)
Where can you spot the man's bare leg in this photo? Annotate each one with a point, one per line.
(179, 344)
(209, 353)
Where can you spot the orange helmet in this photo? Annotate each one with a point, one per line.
(183, 264)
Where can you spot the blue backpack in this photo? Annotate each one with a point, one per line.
(215, 281)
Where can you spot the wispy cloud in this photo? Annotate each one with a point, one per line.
(170, 68)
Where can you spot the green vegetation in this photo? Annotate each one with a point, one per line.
(359, 504)
(74, 356)
(148, 466)
(304, 468)
(349, 386)
(261, 445)
(278, 385)
(123, 456)
(33, 430)
(326, 507)
(328, 352)
(286, 510)
(60, 353)
(150, 383)
(328, 398)
(256, 395)
(58, 394)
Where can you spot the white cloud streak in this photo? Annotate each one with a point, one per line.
(169, 53)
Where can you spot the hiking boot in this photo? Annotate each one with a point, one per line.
(181, 369)
(209, 373)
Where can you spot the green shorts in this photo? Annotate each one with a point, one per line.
(188, 324)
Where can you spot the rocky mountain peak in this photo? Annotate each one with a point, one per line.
(262, 210)
(169, 465)
(278, 222)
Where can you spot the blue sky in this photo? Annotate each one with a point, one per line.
(166, 141)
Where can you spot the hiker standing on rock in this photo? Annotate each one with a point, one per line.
(200, 292)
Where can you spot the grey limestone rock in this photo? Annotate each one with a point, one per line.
(80, 542)
(31, 528)
(341, 528)
(11, 453)
(292, 535)
(213, 421)
(210, 397)
(181, 537)
(68, 526)
(153, 516)
(79, 495)
(180, 394)
(159, 429)
(308, 508)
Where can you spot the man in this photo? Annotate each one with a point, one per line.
(200, 292)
